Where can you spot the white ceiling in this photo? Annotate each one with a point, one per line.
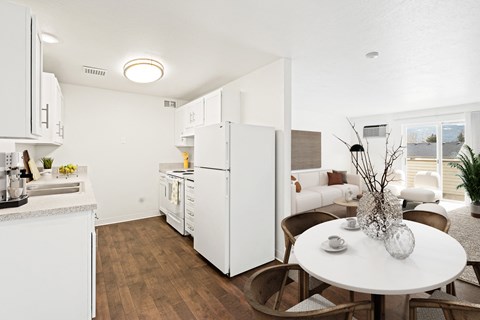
(429, 49)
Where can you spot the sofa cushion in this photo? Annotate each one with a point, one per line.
(334, 178)
(298, 187)
(323, 178)
(344, 187)
(308, 179)
(308, 200)
(343, 173)
(327, 193)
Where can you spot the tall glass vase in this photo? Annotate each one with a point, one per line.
(376, 212)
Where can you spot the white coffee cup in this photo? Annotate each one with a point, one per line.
(351, 222)
(335, 242)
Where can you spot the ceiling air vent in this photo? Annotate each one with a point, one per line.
(378, 130)
(94, 71)
(169, 104)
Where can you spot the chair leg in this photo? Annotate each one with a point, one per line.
(278, 298)
(451, 289)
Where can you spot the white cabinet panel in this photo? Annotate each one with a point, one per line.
(216, 107)
(190, 207)
(21, 69)
(162, 190)
(52, 110)
(180, 139)
(47, 267)
(213, 108)
(194, 115)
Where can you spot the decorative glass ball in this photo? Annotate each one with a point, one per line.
(399, 240)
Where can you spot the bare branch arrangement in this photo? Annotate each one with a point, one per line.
(364, 165)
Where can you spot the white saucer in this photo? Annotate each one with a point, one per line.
(325, 246)
(344, 225)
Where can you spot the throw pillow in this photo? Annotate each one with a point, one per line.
(298, 187)
(334, 178)
(344, 175)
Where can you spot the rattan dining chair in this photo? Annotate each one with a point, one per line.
(261, 288)
(433, 219)
(442, 306)
(295, 225)
(429, 218)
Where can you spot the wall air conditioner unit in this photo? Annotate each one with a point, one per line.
(375, 131)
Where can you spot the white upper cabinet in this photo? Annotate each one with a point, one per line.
(52, 110)
(194, 114)
(213, 107)
(21, 73)
(217, 106)
(180, 139)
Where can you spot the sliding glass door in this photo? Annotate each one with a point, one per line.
(453, 138)
(430, 147)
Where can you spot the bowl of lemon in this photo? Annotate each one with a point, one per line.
(68, 170)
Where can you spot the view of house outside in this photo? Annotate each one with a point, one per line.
(422, 154)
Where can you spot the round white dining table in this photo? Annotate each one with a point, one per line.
(366, 266)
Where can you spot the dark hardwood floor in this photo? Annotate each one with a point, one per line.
(146, 270)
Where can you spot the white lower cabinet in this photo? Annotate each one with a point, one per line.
(190, 207)
(162, 193)
(47, 270)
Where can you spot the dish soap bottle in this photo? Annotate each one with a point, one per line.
(185, 160)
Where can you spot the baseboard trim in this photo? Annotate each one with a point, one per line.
(128, 217)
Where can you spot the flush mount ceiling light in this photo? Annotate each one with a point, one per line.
(372, 55)
(48, 38)
(143, 70)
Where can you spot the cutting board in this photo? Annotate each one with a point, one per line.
(26, 158)
(34, 169)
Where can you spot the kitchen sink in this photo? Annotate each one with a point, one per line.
(54, 188)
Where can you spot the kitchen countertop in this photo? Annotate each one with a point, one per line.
(164, 167)
(57, 204)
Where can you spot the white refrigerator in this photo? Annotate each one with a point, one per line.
(235, 196)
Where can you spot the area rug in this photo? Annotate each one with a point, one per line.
(466, 229)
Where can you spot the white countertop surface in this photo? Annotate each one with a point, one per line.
(367, 267)
(49, 205)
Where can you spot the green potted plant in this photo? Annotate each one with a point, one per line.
(46, 162)
(469, 167)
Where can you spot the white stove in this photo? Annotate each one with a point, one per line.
(181, 173)
(175, 207)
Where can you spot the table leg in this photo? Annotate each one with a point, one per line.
(378, 306)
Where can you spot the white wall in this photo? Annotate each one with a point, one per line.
(122, 138)
(335, 154)
(397, 121)
(266, 100)
(7, 145)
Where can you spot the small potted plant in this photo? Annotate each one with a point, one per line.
(469, 167)
(47, 163)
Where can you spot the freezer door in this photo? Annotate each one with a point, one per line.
(212, 146)
(212, 216)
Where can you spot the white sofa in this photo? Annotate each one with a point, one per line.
(317, 193)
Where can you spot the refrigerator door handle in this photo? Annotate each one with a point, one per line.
(227, 186)
(227, 165)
